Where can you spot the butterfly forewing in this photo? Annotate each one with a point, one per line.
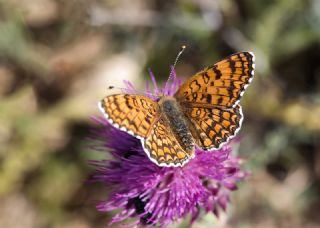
(162, 146)
(132, 113)
(219, 85)
(214, 126)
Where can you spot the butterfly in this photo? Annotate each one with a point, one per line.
(204, 112)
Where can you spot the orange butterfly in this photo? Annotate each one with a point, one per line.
(205, 111)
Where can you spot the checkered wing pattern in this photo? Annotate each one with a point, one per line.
(134, 114)
(214, 126)
(163, 148)
(219, 85)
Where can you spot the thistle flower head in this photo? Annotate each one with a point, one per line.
(161, 195)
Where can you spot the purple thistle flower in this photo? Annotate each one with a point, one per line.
(161, 195)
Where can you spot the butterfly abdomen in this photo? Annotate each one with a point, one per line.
(178, 125)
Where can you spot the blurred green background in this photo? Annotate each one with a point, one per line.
(57, 59)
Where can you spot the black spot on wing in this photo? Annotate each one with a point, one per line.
(205, 77)
(209, 98)
(217, 72)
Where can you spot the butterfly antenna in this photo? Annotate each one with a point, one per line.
(180, 52)
(131, 90)
(174, 65)
(176, 60)
(111, 87)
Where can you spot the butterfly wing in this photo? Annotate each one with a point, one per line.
(139, 116)
(213, 127)
(163, 148)
(134, 114)
(219, 85)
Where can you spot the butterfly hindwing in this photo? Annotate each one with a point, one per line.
(219, 85)
(214, 126)
(163, 148)
(134, 114)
